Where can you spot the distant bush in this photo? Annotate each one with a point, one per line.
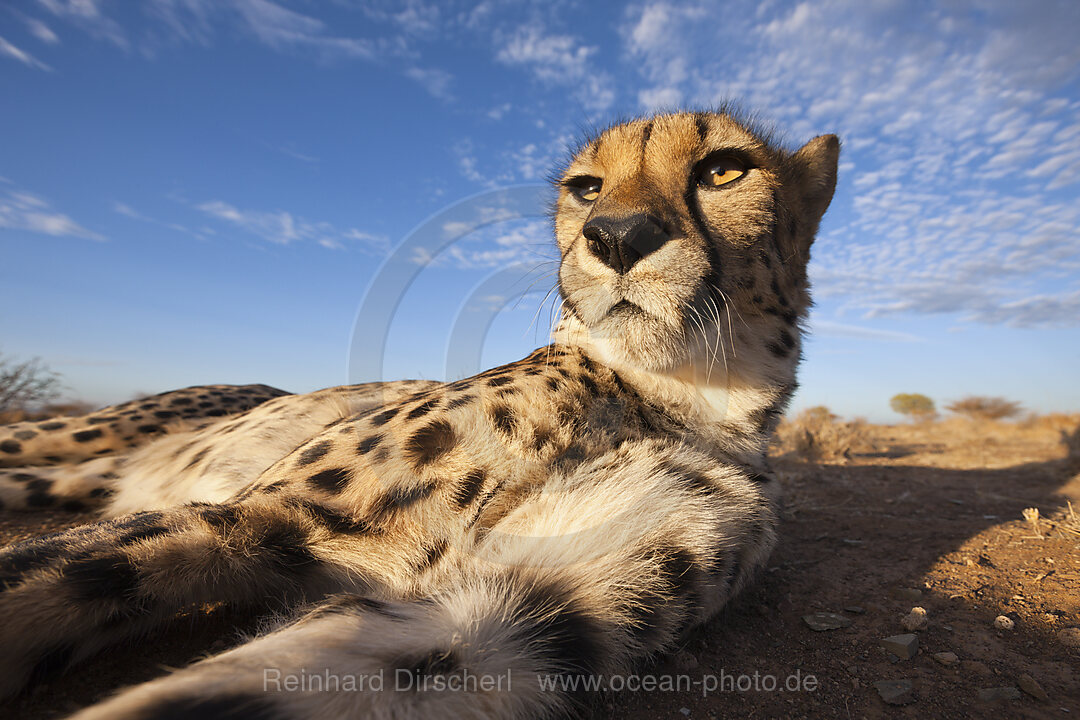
(816, 434)
(27, 383)
(918, 407)
(985, 408)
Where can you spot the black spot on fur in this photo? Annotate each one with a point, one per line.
(146, 531)
(469, 488)
(558, 628)
(232, 706)
(398, 499)
(332, 519)
(436, 662)
(25, 434)
(368, 444)
(460, 402)
(288, 548)
(72, 506)
(315, 452)
(777, 349)
(10, 447)
(385, 416)
(504, 419)
(422, 409)
(500, 381)
(147, 429)
(590, 385)
(217, 412)
(786, 339)
(197, 458)
(553, 384)
(182, 401)
(333, 480)
(432, 554)
(40, 494)
(109, 577)
(163, 414)
(52, 425)
(353, 605)
(221, 517)
(100, 492)
(430, 443)
(98, 420)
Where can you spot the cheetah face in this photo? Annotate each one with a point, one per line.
(672, 227)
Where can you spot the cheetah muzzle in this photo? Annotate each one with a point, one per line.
(575, 512)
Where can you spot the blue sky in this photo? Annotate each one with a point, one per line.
(198, 191)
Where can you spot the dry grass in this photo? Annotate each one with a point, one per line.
(816, 435)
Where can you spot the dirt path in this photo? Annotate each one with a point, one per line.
(931, 518)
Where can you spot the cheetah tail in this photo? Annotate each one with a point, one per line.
(499, 646)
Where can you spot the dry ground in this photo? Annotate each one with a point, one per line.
(905, 516)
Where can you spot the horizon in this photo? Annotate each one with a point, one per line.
(204, 192)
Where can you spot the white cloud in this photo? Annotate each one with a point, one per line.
(87, 15)
(558, 60)
(961, 155)
(283, 228)
(41, 31)
(20, 210)
(435, 81)
(22, 56)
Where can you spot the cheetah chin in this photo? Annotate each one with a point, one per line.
(572, 513)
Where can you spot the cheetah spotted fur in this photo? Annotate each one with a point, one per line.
(577, 511)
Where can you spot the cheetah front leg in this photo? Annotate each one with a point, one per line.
(65, 596)
(587, 577)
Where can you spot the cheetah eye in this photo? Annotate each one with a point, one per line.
(720, 172)
(585, 188)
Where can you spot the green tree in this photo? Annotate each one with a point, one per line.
(917, 407)
(985, 408)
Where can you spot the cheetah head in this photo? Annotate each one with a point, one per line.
(684, 241)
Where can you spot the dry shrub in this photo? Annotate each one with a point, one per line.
(817, 435)
(66, 409)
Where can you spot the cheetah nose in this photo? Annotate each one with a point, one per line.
(619, 242)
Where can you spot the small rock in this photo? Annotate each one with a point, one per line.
(895, 692)
(685, 711)
(910, 594)
(685, 661)
(1032, 688)
(974, 666)
(821, 621)
(855, 609)
(1008, 692)
(1003, 622)
(914, 620)
(948, 659)
(903, 646)
(1070, 636)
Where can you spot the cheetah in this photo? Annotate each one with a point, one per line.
(574, 512)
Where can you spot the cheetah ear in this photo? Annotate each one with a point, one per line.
(814, 174)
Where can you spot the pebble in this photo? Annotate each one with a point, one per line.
(948, 659)
(685, 661)
(1032, 688)
(1003, 622)
(1070, 636)
(855, 609)
(903, 646)
(821, 621)
(914, 620)
(976, 667)
(895, 692)
(1008, 692)
(685, 711)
